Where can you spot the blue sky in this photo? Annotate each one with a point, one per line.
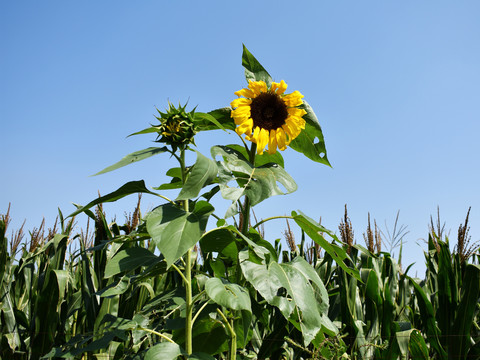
(395, 85)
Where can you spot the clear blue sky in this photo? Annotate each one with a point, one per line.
(395, 85)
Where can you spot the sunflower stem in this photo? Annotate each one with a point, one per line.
(233, 335)
(247, 205)
(188, 271)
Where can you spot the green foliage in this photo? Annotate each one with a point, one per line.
(256, 183)
(175, 230)
(170, 284)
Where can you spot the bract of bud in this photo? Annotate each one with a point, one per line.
(177, 127)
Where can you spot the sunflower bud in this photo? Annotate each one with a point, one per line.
(176, 128)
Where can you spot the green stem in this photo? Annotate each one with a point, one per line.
(271, 218)
(199, 311)
(188, 271)
(233, 335)
(157, 333)
(182, 166)
(247, 205)
(188, 302)
(179, 272)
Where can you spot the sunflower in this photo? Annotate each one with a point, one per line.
(267, 116)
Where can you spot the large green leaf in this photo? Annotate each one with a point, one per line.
(300, 294)
(129, 188)
(229, 295)
(109, 307)
(117, 288)
(463, 324)
(205, 121)
(417, 346)
(203, 172)
(7, 313)
(49, 298)
(289, 288)
(322, 298)
(372, 289)
(164, 351)
(176, 182)
(427, 314)
(223, 117)
(175, 231)
(7, 306)
(257, 183)
(260, 160)
(129, 259)
(310, 141)
(134, 157)
(220, 240)
(208, 336)
(402, 339)
(253, 69)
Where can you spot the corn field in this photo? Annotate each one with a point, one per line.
(112, 297)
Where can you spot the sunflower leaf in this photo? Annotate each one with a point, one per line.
(263, 159)
(222, 116)
(208, 121)
(294, 289)
(134, 157)
(202, 174)
(310, 142)
(132, 187)
(175, 231)
(228, 294)
(253, 69)
(257, 183)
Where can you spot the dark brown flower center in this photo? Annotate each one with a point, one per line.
(268, 111)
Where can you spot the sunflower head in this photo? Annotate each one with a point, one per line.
(268, 116)
(176, 128)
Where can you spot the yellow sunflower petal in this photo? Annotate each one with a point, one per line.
(254, 136)
(245, 92)
(257, 87)
(272, 142)
(244, 127)
(240, 102)
(292, 129)
(241, 111)
(296, 121)
(279, 88)
(240, 119)
(262, 140)
(296, 112)
(293, 99)
(290, 133)
(281, 139)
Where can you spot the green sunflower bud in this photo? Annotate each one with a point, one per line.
(176, 128)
